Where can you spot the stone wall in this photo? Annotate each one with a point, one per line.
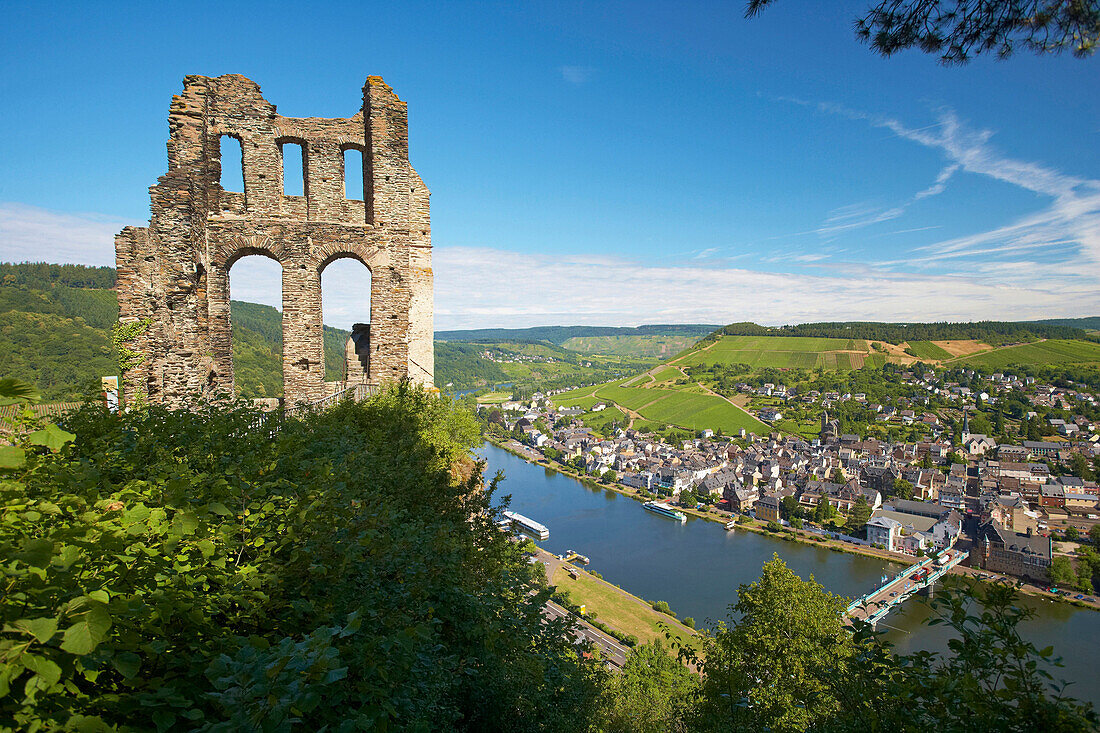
(174, 274)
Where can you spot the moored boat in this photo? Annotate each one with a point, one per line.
(528, 525)
(658, 507)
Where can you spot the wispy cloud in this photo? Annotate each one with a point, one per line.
(32, 234)
(1033, 245)
(603, 289)
(555, 289)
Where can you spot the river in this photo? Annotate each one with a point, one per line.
(697, 566)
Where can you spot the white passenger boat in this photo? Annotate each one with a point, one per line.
(658, 507)
(530, 526)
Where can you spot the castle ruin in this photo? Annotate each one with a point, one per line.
(173, 276)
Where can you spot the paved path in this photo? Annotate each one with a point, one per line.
(614, 652)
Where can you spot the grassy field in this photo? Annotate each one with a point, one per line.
(785, 352)
(494, 398)
(659, 347)
(610, 414)
(928, 350)
(686, 408)
(1055, 351)
(620, 610)
(584, 397)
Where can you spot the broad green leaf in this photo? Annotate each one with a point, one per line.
(184, 523)
(52, 437)
(48, 672)
(42, 629)
(14, 391)
(12, 457)
(127, 663)
(88, 724)
(220, 509)
(83, 636)
(206, 547)
(37, 553)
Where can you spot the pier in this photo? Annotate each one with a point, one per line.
(874, 606)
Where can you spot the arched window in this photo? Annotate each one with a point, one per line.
(255, 307)
(345, 303)
(353, 174)
(232, 162)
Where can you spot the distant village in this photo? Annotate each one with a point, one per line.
(916, 498)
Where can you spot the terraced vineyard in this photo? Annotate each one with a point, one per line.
(786, 352)
(929, 351)
(658, 346)
(1055, 351)
(689, 408)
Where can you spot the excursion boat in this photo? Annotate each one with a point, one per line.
(658, 507)
(731, 525)
(530, 526)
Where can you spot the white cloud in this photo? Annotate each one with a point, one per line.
(543, 289)
(31, 234)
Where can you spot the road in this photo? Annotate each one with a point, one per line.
(612, 650)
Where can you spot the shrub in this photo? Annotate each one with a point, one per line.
(662, 607)
(225, 565)
(688, 622)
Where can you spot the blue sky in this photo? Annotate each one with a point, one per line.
(603, 163)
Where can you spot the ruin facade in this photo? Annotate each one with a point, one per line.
(173, 276)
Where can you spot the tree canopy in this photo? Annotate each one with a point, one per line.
(958, 30)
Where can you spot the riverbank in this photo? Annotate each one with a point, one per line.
(788, 535)
(609, 604)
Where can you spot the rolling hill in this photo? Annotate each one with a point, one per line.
(55, 331)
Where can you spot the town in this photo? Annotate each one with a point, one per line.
(1018, 507)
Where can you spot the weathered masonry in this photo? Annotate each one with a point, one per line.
(173, 276)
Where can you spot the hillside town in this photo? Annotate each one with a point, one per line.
(1009, 501)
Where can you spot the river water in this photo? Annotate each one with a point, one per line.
(697, 566)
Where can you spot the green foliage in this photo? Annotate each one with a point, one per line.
(992, 674)
(1062, 572)
(460, 365)
(40, 275)
(181, 569)
(662, 607)
(861, 512)
(772, 669)
(958, 31)
(992, 332)
(652, 694)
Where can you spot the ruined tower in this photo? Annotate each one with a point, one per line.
(173, 276)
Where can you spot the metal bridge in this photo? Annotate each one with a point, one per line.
(874, 606)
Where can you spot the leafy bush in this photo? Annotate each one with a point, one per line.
(223, 567)
(662, 607)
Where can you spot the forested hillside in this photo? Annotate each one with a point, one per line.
(560, 334)
(55, 331)
(995, 333)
